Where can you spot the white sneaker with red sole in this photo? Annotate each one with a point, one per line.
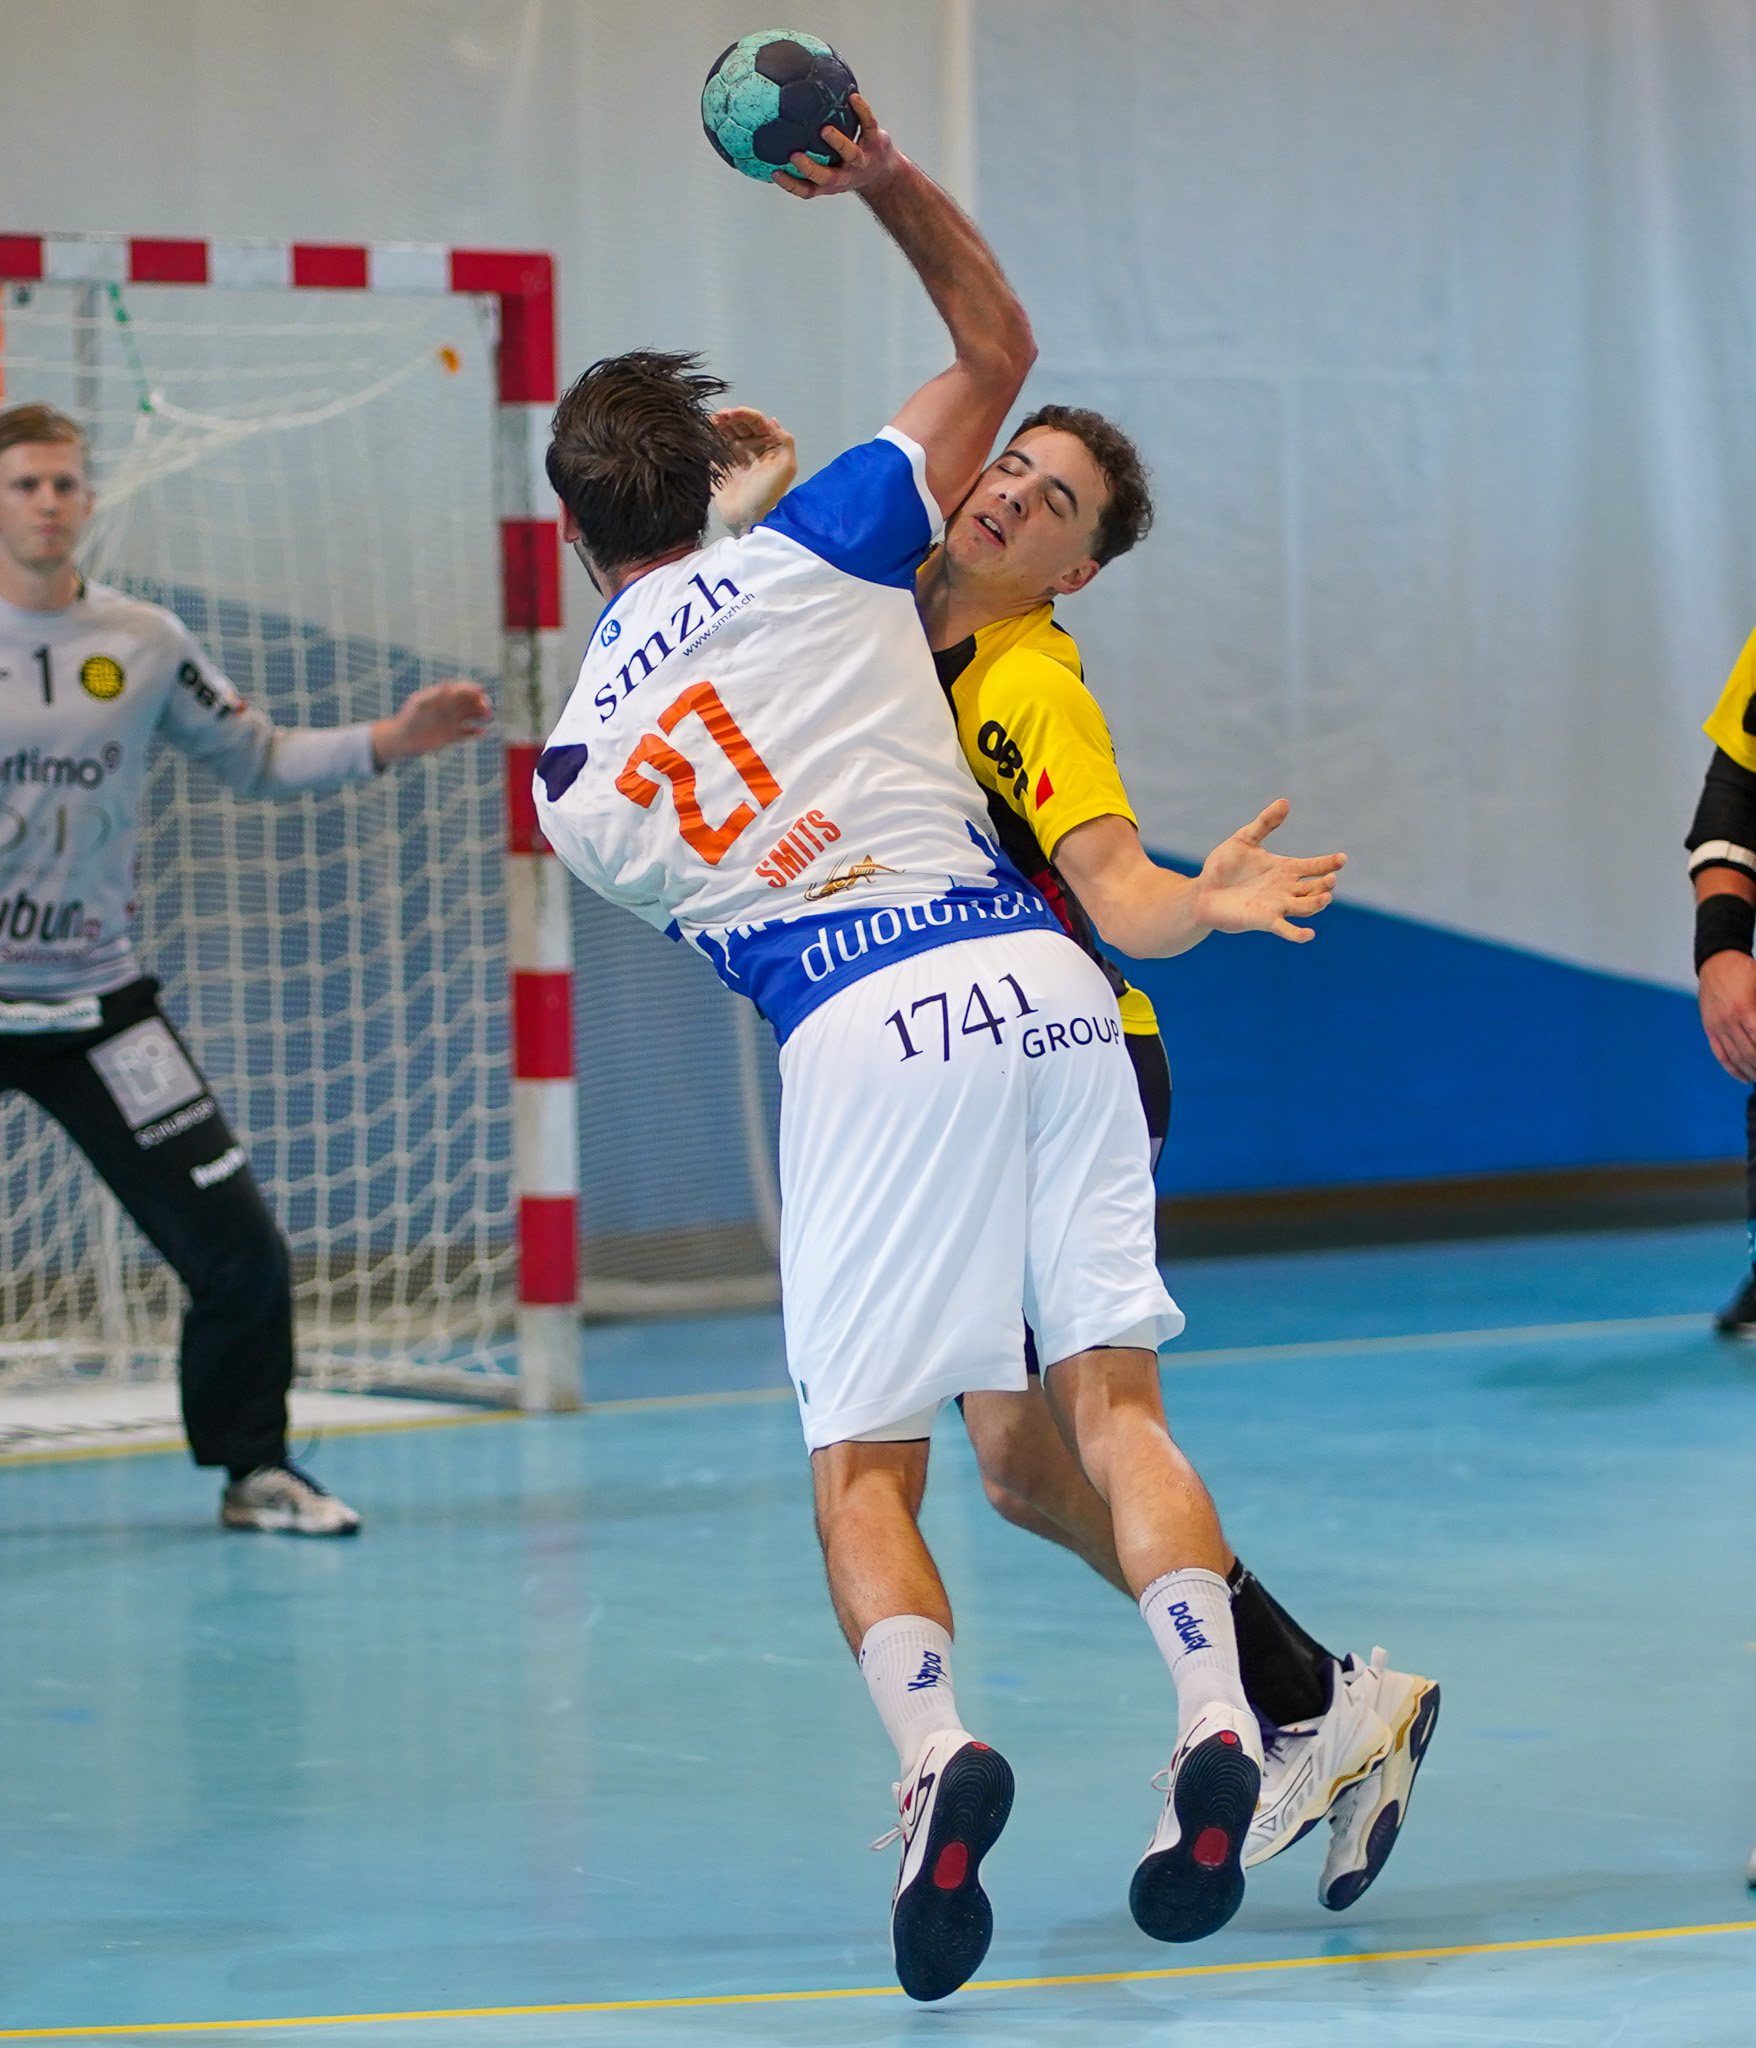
(953, 1804)
(1191, 1880)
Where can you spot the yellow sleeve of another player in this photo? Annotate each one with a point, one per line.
(1036, 737)
(1727, 728)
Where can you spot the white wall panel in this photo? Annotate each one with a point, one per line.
(1436, 323)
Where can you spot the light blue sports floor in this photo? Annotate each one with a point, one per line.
(570, 1725)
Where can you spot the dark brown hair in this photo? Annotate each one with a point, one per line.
(1127, 514)
(634, 454)
(21, 424)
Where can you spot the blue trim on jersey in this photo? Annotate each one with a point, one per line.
(862, 515)
(788, 969)
(559, 769)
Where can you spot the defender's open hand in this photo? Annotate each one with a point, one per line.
(1245, 888)
(864, 163)
(435, 717)
(761, 463)
(1728, 1012)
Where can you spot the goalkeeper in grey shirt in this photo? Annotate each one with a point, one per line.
(87, 678)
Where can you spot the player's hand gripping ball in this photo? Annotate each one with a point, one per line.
(772, 93)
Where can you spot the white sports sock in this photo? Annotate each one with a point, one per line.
(906, 1663)
(1190, 1615)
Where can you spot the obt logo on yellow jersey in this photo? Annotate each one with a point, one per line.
(759, 727)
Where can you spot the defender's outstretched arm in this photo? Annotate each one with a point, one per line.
(956, 416)
(1242, 887)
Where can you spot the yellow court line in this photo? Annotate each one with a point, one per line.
(512, 2012)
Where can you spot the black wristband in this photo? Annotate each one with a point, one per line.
(1723, 924)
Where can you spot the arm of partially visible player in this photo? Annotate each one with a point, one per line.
(956, 416)
(207, 718)
(1143, 910)
(438, 716)
(1722, 856)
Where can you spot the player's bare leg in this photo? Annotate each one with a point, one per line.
(868, 1497)
(1347, 1737)
(1108, 1405)
(954, 1793)
(1174, 1557)
(1035, 1481)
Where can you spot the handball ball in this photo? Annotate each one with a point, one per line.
(774, 93)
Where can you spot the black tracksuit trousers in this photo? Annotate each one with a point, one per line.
(141, 1113)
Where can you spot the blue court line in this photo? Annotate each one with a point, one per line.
(500, 2012)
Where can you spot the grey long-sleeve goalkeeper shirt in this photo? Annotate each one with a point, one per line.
(82, 692)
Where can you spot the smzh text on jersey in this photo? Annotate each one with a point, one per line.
(692, 624)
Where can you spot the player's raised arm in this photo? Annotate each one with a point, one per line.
(1242, 887)
(956, 416)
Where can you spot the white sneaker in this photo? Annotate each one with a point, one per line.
(282, 1497)
(1191, 1880)
(1308, 1765)
(1365, 1821)
(1750, 1871)
(954, 1804)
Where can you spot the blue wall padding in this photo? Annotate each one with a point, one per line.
(1391, 1050)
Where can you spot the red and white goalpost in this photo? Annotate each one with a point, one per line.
(423, 1270)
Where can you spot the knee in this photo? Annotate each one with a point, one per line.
(858, 1486)
(1009, 1506)
(1010, 1435)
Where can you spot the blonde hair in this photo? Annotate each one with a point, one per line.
(20, 424)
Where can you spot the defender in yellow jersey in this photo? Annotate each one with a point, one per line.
(1037, 742)
(1066, 495)
(1722, 867)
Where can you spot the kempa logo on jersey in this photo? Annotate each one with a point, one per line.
(58, 771)
(691, 624)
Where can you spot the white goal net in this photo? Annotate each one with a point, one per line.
(306, 479)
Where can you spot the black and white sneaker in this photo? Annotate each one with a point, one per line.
(1738, 1317)
(283, 1498)
(953, 1806)
(1191, 1880)
(1366, 1820)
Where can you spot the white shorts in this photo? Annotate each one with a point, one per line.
(962, 1148)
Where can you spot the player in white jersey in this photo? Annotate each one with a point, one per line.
(757, 759)
(88, 679)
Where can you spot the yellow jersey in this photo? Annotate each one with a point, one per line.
(1732, 727)
(1038, 745)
